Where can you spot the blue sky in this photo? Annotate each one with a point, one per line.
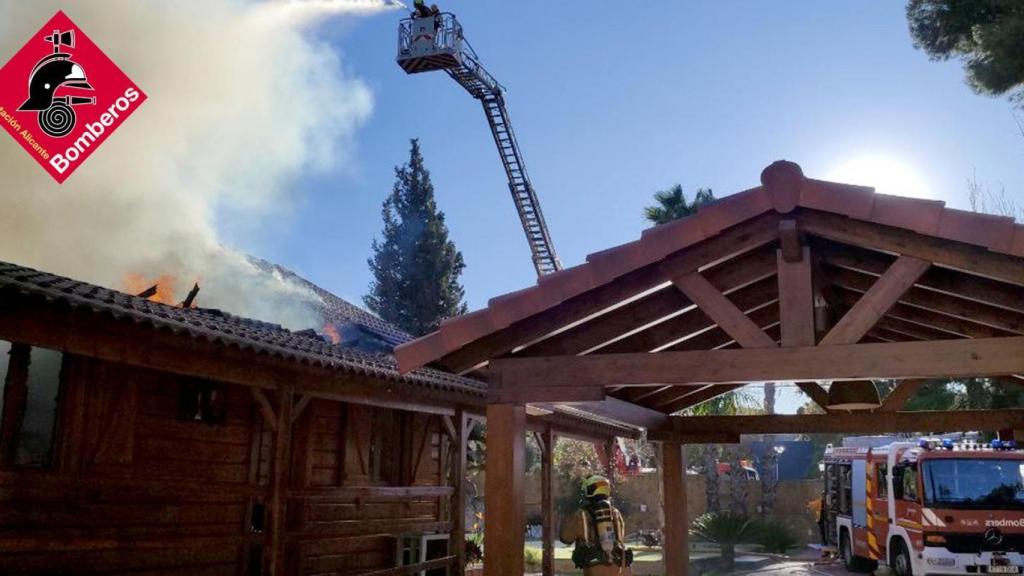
(613, 101)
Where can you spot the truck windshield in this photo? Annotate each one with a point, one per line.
(980, 483)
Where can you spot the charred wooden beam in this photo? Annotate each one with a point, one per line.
(191, 297)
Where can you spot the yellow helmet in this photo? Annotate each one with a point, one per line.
(594, 486)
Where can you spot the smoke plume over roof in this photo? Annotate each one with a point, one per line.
(242, 100)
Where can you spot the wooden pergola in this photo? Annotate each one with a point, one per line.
(797, 280)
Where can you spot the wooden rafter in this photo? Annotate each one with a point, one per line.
(711, 340)
(622, 411)
(969, 310)
(941, 358)
(842, 422)
(669, 395)
(815, 392)
(722, 311)
(898, 396)
(951, 325)
(748, 298)
(876, 301)
(937, 279)
(973, 259)
(730, 243)
(649, 311)
(705, 394)
(913, 331)
(766, 316)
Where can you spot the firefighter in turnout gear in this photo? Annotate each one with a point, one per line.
(597, 531)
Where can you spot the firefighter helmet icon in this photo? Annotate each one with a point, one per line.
(56, 116)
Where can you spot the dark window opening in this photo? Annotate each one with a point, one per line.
(28, 404)
(257, 517)
(882, 480)
(203, 401)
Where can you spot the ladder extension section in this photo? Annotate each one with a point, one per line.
(482, 86)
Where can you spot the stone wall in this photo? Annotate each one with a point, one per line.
(640, 498)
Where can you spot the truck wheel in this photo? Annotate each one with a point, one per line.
(851, 561)
(901, 559)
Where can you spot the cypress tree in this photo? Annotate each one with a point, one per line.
(415, 266)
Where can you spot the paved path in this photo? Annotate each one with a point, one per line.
(806, 568)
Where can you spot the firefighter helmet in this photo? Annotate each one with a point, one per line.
(50, 74)
(595, 486)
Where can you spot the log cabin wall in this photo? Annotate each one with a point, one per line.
(135, 483)
(154, 473)
(364, 480)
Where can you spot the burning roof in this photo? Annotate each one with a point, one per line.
(371, 355)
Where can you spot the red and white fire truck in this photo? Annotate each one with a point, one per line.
(931, 506)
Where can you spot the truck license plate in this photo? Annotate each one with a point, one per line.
(1003, 569)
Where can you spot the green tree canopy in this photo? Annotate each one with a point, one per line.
(988, 35)
(672, 204)
(415, 266)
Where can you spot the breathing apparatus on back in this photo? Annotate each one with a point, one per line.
(603, 527)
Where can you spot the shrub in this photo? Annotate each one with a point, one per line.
(532, 557)
(727, 530)
(776, 537)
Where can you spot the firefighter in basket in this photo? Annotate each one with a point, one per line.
(597, 531)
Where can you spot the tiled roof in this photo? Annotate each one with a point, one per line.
(783, 189)
(227, 329)
(337, 310)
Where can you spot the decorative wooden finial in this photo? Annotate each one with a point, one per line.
(782, 180)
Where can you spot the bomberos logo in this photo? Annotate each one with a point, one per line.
(61, 97)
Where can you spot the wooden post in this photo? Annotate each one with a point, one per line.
(279, 480)
(505, 495)
(458, 514)
(675, 544)
(547, 501)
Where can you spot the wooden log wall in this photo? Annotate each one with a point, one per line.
(361, 477)
(133, 486)
(136, 486)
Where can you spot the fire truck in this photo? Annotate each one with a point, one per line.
(930, 506)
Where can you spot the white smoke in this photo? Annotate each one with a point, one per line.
(241, 101)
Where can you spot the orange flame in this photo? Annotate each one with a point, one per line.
(136, 283)
(332, 333)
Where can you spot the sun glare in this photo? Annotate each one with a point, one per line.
(886, 175)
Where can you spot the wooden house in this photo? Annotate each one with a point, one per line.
(153, 439)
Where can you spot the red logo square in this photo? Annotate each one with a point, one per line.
(61, 97)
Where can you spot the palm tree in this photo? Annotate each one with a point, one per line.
(724, 405)
(672, 204)
(769, 460)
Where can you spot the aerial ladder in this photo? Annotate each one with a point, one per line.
(436, 42)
